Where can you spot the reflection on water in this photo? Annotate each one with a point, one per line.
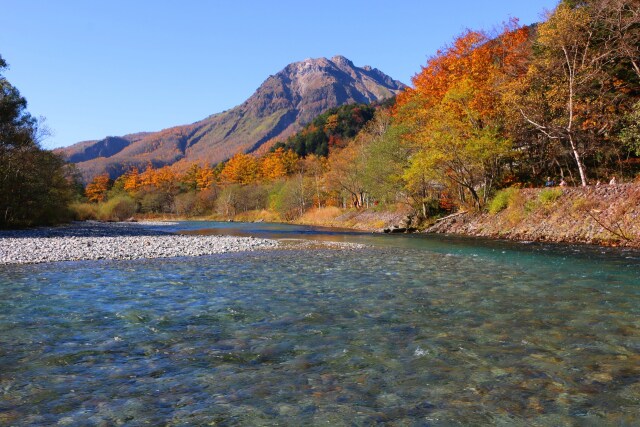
(404, 333)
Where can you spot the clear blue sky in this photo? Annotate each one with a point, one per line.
(111, 67)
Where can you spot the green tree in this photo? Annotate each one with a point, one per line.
(386, 159)
(35, 185)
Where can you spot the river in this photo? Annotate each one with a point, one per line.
(411, 330)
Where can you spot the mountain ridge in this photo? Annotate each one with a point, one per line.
(283, 103)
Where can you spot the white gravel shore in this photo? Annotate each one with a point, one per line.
(114, 241)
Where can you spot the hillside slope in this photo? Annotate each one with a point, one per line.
(281, 105)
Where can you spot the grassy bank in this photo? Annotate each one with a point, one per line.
(604, 215)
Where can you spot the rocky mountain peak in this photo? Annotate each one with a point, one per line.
(283, 104)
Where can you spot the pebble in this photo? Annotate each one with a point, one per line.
(114, 241)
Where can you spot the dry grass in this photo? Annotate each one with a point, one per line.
(257, 215)
(320, 216)
(514, 213)
(583, 205)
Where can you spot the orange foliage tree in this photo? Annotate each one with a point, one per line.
(164, 179)
(278, 164)
(205, 178)
(132, 180)
(241, 169)
(96, 190)
(147, 177)
(453, 117)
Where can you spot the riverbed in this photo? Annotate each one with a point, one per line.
(409, 330)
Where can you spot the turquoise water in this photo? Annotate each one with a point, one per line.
(410, 331)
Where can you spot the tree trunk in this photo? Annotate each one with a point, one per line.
(576, 155)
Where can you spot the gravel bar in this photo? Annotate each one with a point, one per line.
(114, 241)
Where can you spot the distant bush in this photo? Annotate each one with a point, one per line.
(236, 198)
(549, 195)
(582, 205)
(502, 200)
(156, 202)
(292, 198)
(117, 209)
(531, 205)
(185, 203)
(206, 201)
(195, 203)
(84, 211)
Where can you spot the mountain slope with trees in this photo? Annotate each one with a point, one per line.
(281, 105)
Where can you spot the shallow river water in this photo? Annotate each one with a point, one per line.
(409, 331)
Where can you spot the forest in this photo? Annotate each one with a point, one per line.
(515, 107)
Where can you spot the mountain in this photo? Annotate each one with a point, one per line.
(283, 104)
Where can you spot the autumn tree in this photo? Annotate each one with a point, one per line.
(147, 177)
(292, 197)
(582, 78)
(189, 179)
(347, 173)
(618, 22)
(205, 178)
(278, 164)
(315, 167)
(97, 189)
(165, 179)
(387, 159)
(453, 117)
(132, 181)
(241, 169)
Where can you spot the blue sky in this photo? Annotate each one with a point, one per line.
(112, 67)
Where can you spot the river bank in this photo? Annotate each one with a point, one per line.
(607, 215)
(92, 240)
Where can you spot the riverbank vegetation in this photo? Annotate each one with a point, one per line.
(516, 107)
(604, 215)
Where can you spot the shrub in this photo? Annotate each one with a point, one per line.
(549, 195)
(156, 202)
(285, 201)
(185, 203)
(502, 200)
(117, 209)
(531, 205)
(206, 201)
(84, 211)
(236, 198)
(582, 205)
